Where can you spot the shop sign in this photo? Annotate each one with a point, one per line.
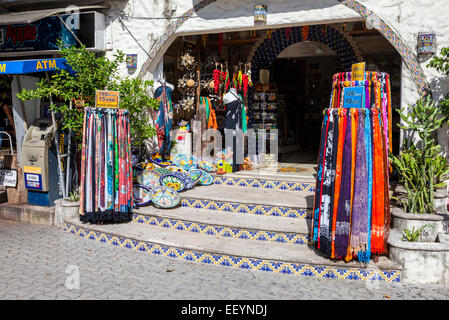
(353, 97)
(426, 43)
(8, 178)
(106, 99)
(131, 60)
(40, 35)
(31, 66)
(358, 71)
(260, 13)
(264, 76)
(33, 177)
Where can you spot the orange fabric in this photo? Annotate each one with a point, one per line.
(212, 117)
(338, 168)
(354, 120)
(378, 212)
(377, 95)
(386, 193)
(390, 116)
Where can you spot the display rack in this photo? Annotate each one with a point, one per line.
(263, 114)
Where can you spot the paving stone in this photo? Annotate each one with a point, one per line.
(35, 257)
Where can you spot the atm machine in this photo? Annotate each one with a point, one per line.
(40, 164)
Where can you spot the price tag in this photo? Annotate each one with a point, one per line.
(353, 97)
(358, 71)
(106, 99)
(8, 178)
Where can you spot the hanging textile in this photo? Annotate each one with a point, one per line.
(106, 174)
(211, 118)
(378, 95)
(351, 211)
(164, 119)
(351, 206)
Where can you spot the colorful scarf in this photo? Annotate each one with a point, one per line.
(379, 175)
(326, 197)
(342, 226)
(319, 180)
(106, 177)
(338, 173)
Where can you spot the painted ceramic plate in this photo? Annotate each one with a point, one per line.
(206, 165)
(177, 169)
(185, 161)
(141, 195)
(148, 178)
(173, 180)
(165, 197)
(140, 165)
(161, 171)
(195, 175)
(205, 179)
(190, 183)
(157, 159)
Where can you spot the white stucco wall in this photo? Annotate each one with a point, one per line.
(407, 17)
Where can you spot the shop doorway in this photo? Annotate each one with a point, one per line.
(300, 67)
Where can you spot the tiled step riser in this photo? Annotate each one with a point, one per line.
(228, 206)
(223, 231)
(265, 184)
(238, 262)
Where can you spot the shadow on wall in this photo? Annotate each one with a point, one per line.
(224, 9)
(439, 86)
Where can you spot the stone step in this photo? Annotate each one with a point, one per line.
(237, 253)
(227, 224)
(27, 213)
(279, 203)
(267, 180)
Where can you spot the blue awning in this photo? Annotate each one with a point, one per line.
(32, 66)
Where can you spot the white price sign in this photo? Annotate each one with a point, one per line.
(8, 178)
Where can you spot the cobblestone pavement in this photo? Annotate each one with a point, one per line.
(42, 262)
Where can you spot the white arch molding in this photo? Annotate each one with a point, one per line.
(376, 21)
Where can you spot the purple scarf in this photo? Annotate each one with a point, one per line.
(344, 205)
(359, 221)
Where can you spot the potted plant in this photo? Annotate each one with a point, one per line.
(419, 224)
(422, 171)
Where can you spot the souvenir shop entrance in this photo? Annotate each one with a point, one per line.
(291, 70)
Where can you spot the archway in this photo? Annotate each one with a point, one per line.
(377, 22)
(267, 51)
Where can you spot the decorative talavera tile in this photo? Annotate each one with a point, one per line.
(244, 208)
(265, 184)
(227, 232)
(240, 262)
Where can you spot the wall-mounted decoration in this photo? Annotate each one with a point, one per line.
(426, 43)
(131, 60)
(260, 13)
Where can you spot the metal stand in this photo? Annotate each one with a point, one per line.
(61, 174)
(10, 140)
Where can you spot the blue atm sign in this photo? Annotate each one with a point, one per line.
(31, 66)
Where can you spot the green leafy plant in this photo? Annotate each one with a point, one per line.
(73, 196)
(134, 98)
(413, 235)
(90, 73)
(421, 167)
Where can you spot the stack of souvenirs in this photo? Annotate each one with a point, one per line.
(106, 177)
(351, 207)
(159, 180)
